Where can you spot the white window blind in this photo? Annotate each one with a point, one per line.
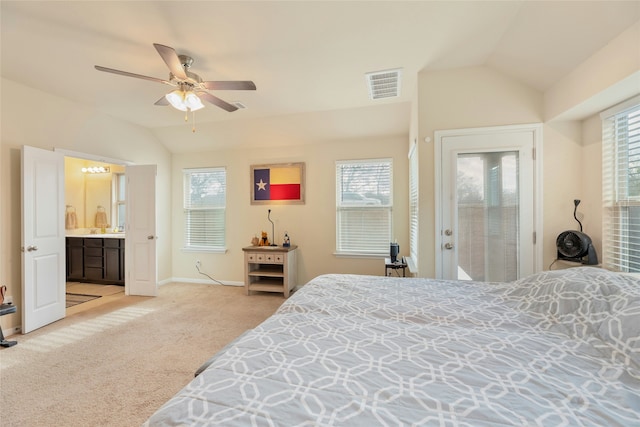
(413, 203)
(364, 203)
(621, 187)
(205, 193)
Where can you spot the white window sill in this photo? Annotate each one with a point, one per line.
(359, 255)
(208, 250)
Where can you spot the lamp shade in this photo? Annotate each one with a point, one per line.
(176, 99)
(184, 100)
(192, 101)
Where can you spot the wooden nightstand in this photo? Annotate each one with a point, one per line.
(270, 269)
(400, 264)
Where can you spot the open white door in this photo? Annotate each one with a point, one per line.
(43, 250)
(140, 244)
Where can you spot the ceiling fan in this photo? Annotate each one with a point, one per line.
(191, 89)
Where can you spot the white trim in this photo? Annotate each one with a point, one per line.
(359, 255)
(93, 157)
(207, 250)
(619, 108)
(413, 147)
(200, 281)
(536, 128)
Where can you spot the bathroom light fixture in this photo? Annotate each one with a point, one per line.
(96, 169)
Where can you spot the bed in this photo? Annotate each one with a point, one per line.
(556, 348)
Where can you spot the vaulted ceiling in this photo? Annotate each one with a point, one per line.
(307, 58)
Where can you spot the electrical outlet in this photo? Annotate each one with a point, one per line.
(8, 299)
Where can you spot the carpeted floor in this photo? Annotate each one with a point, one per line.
(115, 364)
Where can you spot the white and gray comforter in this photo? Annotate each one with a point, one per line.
(557, 348)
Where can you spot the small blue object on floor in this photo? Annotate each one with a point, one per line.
(6, 309)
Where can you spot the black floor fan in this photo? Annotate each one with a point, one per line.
(576, 246)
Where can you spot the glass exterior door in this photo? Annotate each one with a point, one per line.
(487, 200)
(488, 212)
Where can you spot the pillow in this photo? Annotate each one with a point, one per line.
(585, 303)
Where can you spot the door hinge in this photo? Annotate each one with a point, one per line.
(534, 237)
(533, 154)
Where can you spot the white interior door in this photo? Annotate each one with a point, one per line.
(43, 244)
(487, 201)
(140, 243)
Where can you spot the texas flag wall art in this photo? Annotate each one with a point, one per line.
(280, 183)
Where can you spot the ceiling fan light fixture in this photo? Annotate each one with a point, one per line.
(184, 100)
(193, 101)
(176, 99)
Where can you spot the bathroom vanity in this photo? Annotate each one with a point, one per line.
(95, 258)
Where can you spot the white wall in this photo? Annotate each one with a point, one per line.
(311, 226)
(45, 121)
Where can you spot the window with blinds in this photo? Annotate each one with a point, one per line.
(205, 194)
(364, 202)
(413, 203)
(621, 187)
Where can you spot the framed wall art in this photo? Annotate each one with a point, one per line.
(277, 184)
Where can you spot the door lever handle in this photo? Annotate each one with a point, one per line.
(32, 248)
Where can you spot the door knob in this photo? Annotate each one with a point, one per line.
(448, 246)
(448, 232)
(32, 248)
(150, 237)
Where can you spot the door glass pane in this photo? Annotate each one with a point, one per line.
(488, 212)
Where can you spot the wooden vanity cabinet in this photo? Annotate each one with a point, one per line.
(95, 260)
(75, 259)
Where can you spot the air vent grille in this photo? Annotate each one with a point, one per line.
(384, 84)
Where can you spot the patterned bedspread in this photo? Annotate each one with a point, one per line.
(557, 348)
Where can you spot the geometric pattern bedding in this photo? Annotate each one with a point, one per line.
(556, 348)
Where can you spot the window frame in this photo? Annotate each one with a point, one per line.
(341, 210)
(617, 232)
(119, 200)
(220, 247)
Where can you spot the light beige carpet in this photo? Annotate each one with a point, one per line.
(115, 364)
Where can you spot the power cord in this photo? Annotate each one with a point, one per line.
(205, 274)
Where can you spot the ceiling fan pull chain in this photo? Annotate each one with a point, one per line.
(193, 117)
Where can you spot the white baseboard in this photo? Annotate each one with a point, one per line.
(199, 281)
(11, 331)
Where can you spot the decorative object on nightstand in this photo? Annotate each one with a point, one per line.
(286, 243)
(255, 241)
(270, 269)
(264, 240)
(273, 233)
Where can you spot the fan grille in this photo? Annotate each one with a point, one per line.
(573, 244)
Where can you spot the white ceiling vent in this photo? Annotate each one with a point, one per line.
(384, 84)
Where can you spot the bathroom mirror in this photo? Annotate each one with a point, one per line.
(89, 194)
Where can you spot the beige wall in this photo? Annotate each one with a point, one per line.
(48, 122)
(310, 226)
(572, 134)
(463, 98)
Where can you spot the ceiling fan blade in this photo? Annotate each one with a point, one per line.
(216, 101)
(170, 57)
(230, 85)
(162, 101)
(128, 74)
